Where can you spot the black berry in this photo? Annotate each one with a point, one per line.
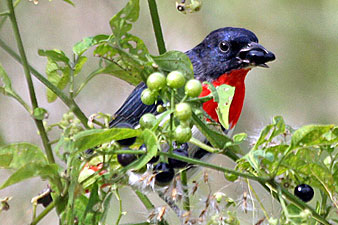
(126, 159)
(164, 173)
(45, 197)
(179, 150)
(304, 192)
(128, 141)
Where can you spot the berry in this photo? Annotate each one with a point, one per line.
(154, 159)
(193, 88)
(304, 192)
(126, 159)
(147, 121)
(183, 111)
(156, 81)
(181, 150)
(148, 97)
(127, 141)
(164, 173)
(45, 198)
(175, 79)
(182, 134)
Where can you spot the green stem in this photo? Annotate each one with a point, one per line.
(69, 102)
(33, 99)
(203, 146)
(145, 200)
(44, 213)
(117, 194)
(157, 26)
(186, 200)
(215, 167)
(6, 13)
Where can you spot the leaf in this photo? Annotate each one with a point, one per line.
(175, 60)
(6, 85)
(79, 64)
(39, 113)
(69, 2)
(93, 199)
(279, 126)
(312, 135)
(225, 94)
(121, 22)
(238, 138)
(20, 154)
(95, 137)
(55, 55)
(150, 140)
(31, 170)
(82, 46)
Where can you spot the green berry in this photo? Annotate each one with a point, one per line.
(175, 79)
(148, 97)
(193, 88)
(147, 121)
(183, 111)
(156, 81)
(182, 134)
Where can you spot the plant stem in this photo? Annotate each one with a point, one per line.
(203, 146)
(69, 102)
(186, 200)
(43, 213)
(157, 26)
(33, 99)
(117, 194)
(215, 167)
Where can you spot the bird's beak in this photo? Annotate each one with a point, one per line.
(255, 54)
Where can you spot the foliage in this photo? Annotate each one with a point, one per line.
(84, 184)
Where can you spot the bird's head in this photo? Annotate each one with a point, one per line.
(225, 50)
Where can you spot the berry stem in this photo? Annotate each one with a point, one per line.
(157, 26)
(186, 200)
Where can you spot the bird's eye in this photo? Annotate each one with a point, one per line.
(224, 46)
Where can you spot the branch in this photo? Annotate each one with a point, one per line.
(157, 26)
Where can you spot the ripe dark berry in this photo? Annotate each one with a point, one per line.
(45, 197)
(128, 141)
(304, 192)
(181, 150)
(164, 173)
(126, 159)
(154, 159)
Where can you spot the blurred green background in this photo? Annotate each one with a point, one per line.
(301, 85)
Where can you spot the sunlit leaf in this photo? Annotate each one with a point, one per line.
(311, 135)
(82, 46)
(225, 94)
(79, 64)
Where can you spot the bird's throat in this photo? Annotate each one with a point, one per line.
(235, 79)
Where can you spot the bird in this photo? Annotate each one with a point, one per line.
(225, 56)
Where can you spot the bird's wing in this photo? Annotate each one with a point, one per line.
(133, 108)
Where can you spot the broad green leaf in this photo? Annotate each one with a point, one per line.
(95, 137)
(20, 155)
(82, 46)
(39, 113)
(121, 22)
(30, 170)
(225, 94)
(150, 140)
(55, 55)
(175, 60)
(311, 135)
(79, 64)
(93, 199)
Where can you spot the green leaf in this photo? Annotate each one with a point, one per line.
(95, 137)
(175, 60)
(79, 64)
(55, 55)
(279, 126)
(20, 154)
(69, 2)
(312, 135)
(238, 138)
(225, 94)
(93, 199)
(39, 113)
(82, 46)
(31, 170)
(150, 140)
(121, 22)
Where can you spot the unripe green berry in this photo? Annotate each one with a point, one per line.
(147, 121)
(193, 88)
(183, 111)
(148, 97)
(182, 134)
(156, 81)
(175, 79)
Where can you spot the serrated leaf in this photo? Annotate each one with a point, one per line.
(225, 94)
(150, 140)
(91, 138)
(39, 113)
(175, 60)
(88, 42)
(31, 170)
(21, 154)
